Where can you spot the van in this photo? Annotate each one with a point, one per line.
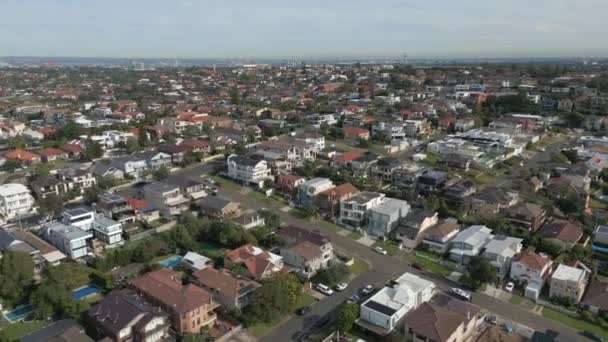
(324, 289)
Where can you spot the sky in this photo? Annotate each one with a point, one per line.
(310, 28)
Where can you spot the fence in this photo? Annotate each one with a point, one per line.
(557, 308)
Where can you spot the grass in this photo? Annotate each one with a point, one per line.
(387, 246)
(298, 213)
(516, 299)
(162, 258)
(211, 250)
(595, 204)
(19, 329)
(261, 329)
(355, 235)
(573, 322)
(329, 226)
(359, 266)
(431, 266)
(226, 183)
(431, 159)
(258, 196)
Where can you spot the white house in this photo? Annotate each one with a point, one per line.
(195, 261)
(108, 231)
(168, 198)
(354, 210)
(385, 217)
(80, 217)
(15, 200)
(247, 170)
(568, 282)
(500, 251)
(383, 311)
(311, 188)
(530, 269)
(70, 240)
(469, 243)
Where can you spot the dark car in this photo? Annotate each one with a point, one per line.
(303, 310)
(593, 336)
(417, 266)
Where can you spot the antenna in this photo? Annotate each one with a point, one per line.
(405, 58)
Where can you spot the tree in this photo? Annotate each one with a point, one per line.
(363, 143)
(132, 145)
(16, 273)
(348, 316)
(202, 337)
(574, 119)
(276, 297)
(93, 150)
(11, 165)
(50, 204)
(234, 96)
(161, 173)
(333, 275)
(481, 270)
(91, 194)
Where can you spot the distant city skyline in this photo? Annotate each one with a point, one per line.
(320, 29)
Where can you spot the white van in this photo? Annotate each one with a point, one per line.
(324, 289)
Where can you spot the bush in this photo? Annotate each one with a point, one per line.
(333, 275)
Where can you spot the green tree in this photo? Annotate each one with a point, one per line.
(348, 316)
(16, 273)
(234, 96)
(332, 275)
(132, 145)
(93, 150)
(161, 173)
(480, 269)
(50, 204)
(275, 298)
(11, 165)
(91, 194)
(202, 337)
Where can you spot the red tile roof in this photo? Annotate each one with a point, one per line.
(531, 259)
(19, 154)
(355, 131)
(348, 156)
(340, 191)
(49, 152)
(72, 148)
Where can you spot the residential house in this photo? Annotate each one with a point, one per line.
(22, 156)
(15, 200)
(196, 262)
(168, 198)
(430, 181)
(385, 310)
(361, 166)
(250, 220)
(354, 211)
(124, 315)
(108, 231)
(307, 257)
(388, 131)
(196, 145)
(527, 217)
(115, 207)
(49, 254)
(407, 176)
(562, 233)
(596, 296)
(469, 243)
(106, 170)
(77, 179)
(568, 283)
(63, 330)
(52, 154)
(44, 186)
(500, 251)
(9, 242)
(70, 240)
(137, 164)
(458, 192)
(531, 269)
(328, 201)
(384, 168)
(355, 133)
(258, 263)
(412, 227)
(217, 207)
(343, 161)
(81, 217)
(437, 238)
(231, 290)
(489, 200)
(190, 308)
(308, 190)
(288, 185)
(383, 218)
(247, 170)
(444, 319)
(143, 209)
(293, 235)
(177, 152)
(191, 189)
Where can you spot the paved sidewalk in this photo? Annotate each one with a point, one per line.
(366, 241)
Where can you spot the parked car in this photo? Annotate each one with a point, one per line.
(324, 289)
(341, 287)
(417, 266)
(380, 250)
(510, 286)
(303, 310)
(491, 320)
(461, 293)
(353, 299)
(367, 290)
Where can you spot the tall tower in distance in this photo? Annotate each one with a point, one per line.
(405, 58)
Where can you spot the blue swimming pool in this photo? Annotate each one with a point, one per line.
(85, 291)
(172, 261)
(18, 313)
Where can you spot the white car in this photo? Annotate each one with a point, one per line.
(325, 289)
(509, 287)
(461, 293)
(367, 290)
(341, 287)
(380, 250)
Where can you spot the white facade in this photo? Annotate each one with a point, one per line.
(68, 239)
(309, 189)
(354, 211)
(469, 243)
(383, 218)
(389, 305)
(108, 231)
(248, 171)
(15, 200)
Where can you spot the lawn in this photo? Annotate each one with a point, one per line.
(210, 250)
(261, 329)
(431, 266)
(162, 257)
(258, 196)
(431, 158)
(226, 183)
(19, 329)
(516, 300)
(573, 322)
(329, 226)
(298, 213)
(595, 204)
(355, 235)
(485, 178)
(359, 266)
(387, 246)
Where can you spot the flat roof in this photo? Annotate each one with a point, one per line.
(381, 308)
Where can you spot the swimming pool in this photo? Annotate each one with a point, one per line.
(85, 291)
(172, 261)
(18, 313)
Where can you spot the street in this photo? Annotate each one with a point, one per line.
(383, 268)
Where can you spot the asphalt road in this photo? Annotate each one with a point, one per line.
(383, 268)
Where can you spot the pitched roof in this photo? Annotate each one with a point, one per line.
(433, 322)
(597, 293)
(340, 191)
(301, 234)
(531, 259)
(307, 250)
(49, 152)
(20, 154)
(348, 156)
(165, 286)
(562, 230)
(225, 282)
